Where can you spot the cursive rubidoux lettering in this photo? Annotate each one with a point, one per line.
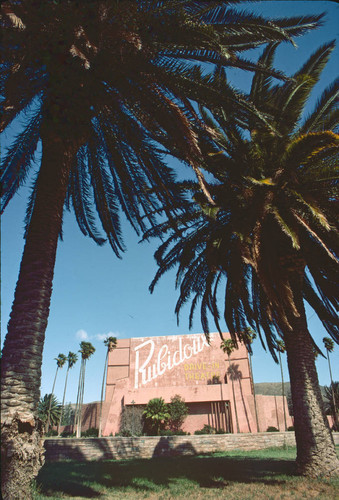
(155, 366)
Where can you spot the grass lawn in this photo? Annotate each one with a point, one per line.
(265, 474)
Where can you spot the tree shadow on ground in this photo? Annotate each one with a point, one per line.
(167, 448)
(146, 475)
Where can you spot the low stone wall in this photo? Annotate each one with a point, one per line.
(152, 446)
(87, 449)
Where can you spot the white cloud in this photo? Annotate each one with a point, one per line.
(103, 336)
(82, 335)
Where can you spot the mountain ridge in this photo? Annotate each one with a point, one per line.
(275, 389)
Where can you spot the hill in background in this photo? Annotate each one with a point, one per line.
(275, 389)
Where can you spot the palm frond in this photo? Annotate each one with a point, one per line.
(18, 158)
(325, 107)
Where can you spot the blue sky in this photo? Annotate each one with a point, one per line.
(95, 294)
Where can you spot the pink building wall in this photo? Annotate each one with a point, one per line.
(140, 369)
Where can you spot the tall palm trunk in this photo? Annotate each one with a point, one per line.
(50, 401)
(102, 394)
(254, 395)
(22, 353)
(77, 406)
(234, 403)
(81, 398)
(78, 419)
(63, 402)
(282, 388)
(316, 453)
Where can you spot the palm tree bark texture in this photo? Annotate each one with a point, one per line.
(315, 445)
(21, 431)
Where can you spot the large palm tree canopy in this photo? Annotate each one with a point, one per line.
(275, 207)
(271, 237)
(112, 77)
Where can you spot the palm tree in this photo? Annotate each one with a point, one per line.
(49, 409)
(329, 346)
(156, 415)
(86, 350)
(110, 343)
(61, 360)
(281, 348)
(98, 84)
(271, 236)
(248, 337)
(72, 358)
(228, 346)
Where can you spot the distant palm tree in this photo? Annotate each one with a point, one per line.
(329, 346)
(86, 351)
(270, 240)
(110, 343)
(49, 409)
(281, 349)
(228, 346)
(71, 360)
(61, 360)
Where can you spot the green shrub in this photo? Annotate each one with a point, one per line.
(272, 429)
(126, 433)
(207, 429)
(91, 432)
(166, 432)
(169, 432)
(67, 434)
(178, 411)
(51, 433)
(290, 428)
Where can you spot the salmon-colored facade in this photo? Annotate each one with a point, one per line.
(212, 385)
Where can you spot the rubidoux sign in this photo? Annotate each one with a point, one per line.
(150, 364)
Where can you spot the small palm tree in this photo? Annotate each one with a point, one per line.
(281, 348)
(110, 343)
(228, 346)
(329, 346)
(49, 410)
(61, 360)
(72, 358)
(156, 415)
(86, 350)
